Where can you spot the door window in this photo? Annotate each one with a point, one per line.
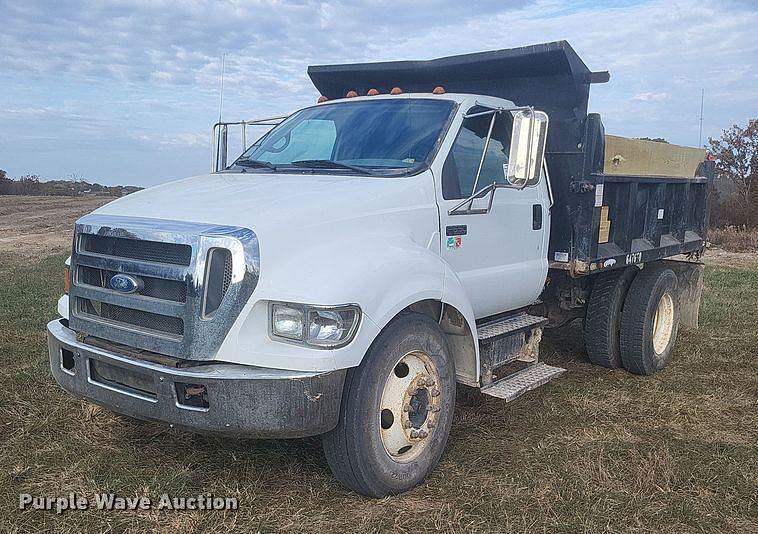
(459, 171)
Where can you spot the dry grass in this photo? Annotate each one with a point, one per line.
(35, 227)
(596, 450)
(734, 239)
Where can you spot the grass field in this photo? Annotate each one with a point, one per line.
(595, 450)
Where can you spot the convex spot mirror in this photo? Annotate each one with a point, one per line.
(527, 147)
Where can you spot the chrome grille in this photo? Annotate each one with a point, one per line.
(173, 290)
(170, 260)
(171, 253)
(147, 321)
(227, 279)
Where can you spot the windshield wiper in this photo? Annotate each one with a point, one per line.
(255, 163)
(329, 164)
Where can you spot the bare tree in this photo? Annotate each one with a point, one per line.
(736, 154)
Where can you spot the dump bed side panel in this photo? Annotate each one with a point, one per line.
(614, 220)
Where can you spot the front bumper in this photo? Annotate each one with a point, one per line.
(237, 399)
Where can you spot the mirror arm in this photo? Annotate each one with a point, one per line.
(470, 200)
(484, 153)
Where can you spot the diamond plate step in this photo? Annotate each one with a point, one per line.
(513, 386)
(508, 325)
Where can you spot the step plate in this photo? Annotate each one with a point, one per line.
(513, 386)
(501, 327)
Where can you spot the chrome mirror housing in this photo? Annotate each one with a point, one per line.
(528, 140)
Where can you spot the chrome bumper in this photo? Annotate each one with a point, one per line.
(229, 398)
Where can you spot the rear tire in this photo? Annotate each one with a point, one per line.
(603, 320)
(650, 321)
(403, 389)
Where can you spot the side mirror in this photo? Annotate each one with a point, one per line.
(528, 140)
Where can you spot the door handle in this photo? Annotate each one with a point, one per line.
(537, 217)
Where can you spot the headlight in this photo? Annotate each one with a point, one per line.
(287, 321)
(318, 326)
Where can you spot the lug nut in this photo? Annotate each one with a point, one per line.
(435, 392)
(422, 434)
(407, 424)
(407, 408)
(436, 409)
(430, 424)
(414, 433)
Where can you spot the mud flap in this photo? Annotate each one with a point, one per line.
(690, 282)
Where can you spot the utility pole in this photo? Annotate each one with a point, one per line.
(702, 99)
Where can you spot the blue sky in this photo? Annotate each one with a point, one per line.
(125, 92)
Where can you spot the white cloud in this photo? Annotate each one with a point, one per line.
(126, 82)
(649, 96)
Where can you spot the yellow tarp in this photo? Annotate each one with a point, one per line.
(640, 157)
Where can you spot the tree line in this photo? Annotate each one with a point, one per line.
(734, 201)
(30, 184)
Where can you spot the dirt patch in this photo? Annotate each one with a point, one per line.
(35, 227)
(725, 258)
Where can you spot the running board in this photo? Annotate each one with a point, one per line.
(513, 386)
(519, 322)
(506, 340)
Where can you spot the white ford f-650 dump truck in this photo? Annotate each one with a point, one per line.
(415, 229)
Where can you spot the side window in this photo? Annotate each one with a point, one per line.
(459, 171)
(320, 135)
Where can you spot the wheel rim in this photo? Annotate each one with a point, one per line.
(663, 323)
(410, 406)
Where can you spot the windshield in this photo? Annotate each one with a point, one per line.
(384, 136)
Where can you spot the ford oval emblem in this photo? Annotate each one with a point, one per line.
(125, 283)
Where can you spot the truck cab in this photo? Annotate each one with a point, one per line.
(358, 260)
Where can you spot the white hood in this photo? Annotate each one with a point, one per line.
(264, 201)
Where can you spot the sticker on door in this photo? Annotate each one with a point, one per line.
(454, 242)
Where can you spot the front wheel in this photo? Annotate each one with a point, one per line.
(397, 409)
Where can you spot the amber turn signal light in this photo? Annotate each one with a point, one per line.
(66, 279)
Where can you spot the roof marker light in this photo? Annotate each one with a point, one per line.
(439, 90)
(372, 92)
(396, 91)
(351, 94)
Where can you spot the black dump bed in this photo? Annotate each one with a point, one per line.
(599, 221)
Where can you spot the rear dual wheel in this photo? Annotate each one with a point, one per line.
(632, 319)
(650, 321)
(396, 412)
(602, 322)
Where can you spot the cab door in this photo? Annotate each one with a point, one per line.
(497, 244)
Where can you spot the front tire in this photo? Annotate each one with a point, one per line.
(649, 321)
(396, 412)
